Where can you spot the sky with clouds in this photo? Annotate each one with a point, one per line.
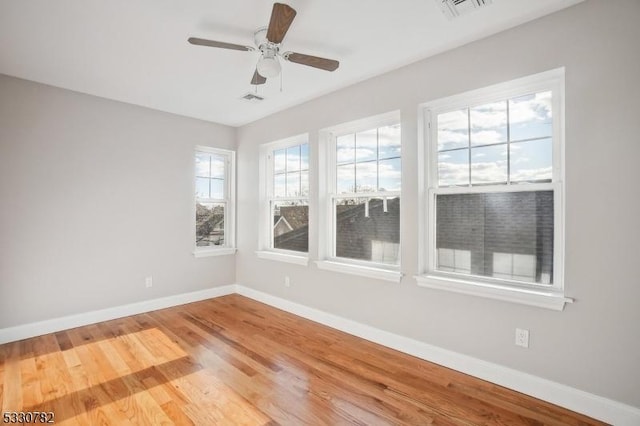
(369, 161)
(472, 143)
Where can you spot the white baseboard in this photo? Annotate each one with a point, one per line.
(25, 331)
(598, 407)
(589, 404)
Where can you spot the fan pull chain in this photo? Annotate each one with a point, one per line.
(281, 72)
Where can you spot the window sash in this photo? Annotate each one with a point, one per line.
(226, 226)
(334, 199)
(228, 199)
(550, 81)
(271, 244)
(267, 192)
(330, 197)
(557, 237)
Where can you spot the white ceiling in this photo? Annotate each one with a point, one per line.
(137, 51)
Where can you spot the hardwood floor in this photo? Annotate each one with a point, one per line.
(235, 361)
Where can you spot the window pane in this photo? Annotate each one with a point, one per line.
(293, 184)
(451, 260)
(202, 164)
(530, 116)
(366, 177)
(532, 160)
(453, 130)
(488, 123)
(279, 161)
(345, 149)
(279, 186)
(389, 142)
(217, 188)
(202, 187)
(346, 179)
(489, 164)
(209, 224)
(217, 166)
(508, 235)
(453, 168)
(304, 184)
(304, 157)
(389, 175)
(293, 159)
(291, 225)
(368, 233)
(367, 145)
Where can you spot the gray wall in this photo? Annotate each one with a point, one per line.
(95, 195)
(594, 344)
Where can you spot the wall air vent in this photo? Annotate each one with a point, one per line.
(250, 97)
(454, 8)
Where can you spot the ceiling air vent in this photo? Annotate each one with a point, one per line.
(454, 8)
(250, 97)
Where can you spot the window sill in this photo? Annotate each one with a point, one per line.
(282, 257)
(363, 271)
(538, 298)
(224, 251)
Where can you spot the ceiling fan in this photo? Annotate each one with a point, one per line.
(268, 41)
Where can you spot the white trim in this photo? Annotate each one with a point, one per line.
(210, 252)
(283, 257)
(363, 271)
(229, 198)
(595, 406)
(497, 92)
(523, 296)
(428, 275)
(266, 196)
(39, 328)
(367, 123)
(328, 197)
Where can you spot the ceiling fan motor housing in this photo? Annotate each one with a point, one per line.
(268, 65)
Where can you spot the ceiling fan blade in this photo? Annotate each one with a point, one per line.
(221, 44)
(258, 79)
(281, 18)
(312, 61)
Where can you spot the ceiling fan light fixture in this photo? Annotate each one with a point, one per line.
(269, 66)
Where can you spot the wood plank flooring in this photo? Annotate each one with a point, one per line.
(234, 361)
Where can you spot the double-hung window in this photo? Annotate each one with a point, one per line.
(494, 209)
(285, 200)
(214, 201)
(363, 198)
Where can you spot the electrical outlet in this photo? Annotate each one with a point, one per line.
(287, 281)
(522, 337)
(148, 282)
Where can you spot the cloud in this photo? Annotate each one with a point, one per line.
(364, 154)
(344, 155)
(543, 173)
(485, 137)
(454, 120)
(488, 123)
(530, 108)
(489, 116)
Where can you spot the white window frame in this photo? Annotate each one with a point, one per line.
(328, 196)
(229, 201)
(546, 296)
(265, 241)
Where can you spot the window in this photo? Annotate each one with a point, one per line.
(285, 199)
(214, 200)
(494, 191)
(363, 196)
